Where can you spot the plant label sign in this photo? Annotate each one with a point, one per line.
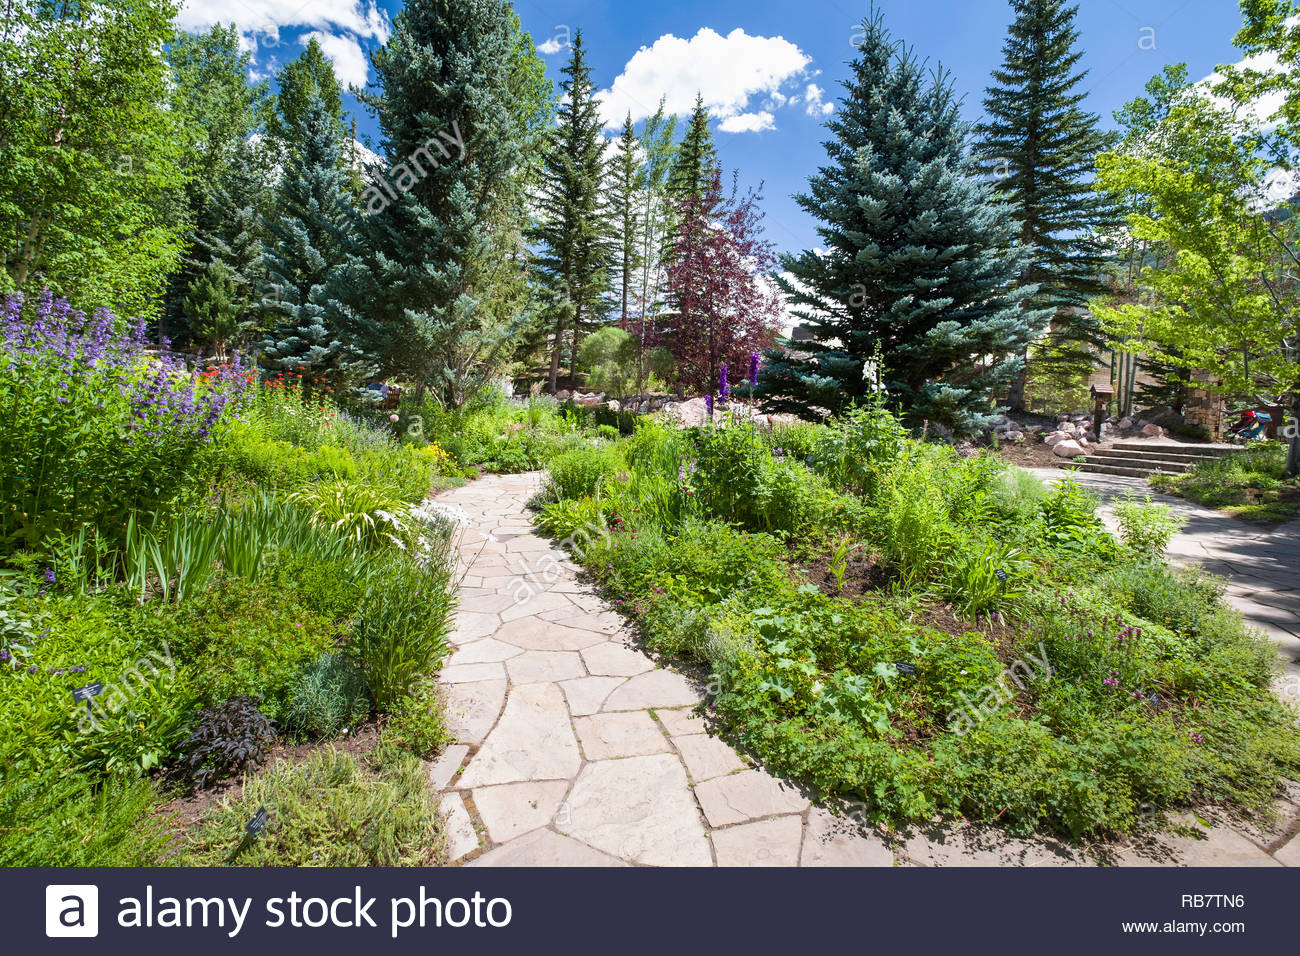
(1000, 575)
(258, 823)
(905, 668)
(87, 692)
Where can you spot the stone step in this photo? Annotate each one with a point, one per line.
(1149, 464)
(1130, 471)
(1168, 449)
(1157, 455)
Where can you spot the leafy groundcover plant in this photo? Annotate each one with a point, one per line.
(919, 633)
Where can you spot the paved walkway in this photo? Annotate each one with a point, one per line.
(575, 749)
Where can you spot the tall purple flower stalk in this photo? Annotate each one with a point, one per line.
(723, 390)
(753, 370)
(708, 404)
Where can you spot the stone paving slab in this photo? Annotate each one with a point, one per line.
(577, 750)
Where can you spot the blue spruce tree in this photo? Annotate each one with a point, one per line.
(920, 258)
(309, 242)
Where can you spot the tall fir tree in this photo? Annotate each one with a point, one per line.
(308, 77)
(309, 241)
(231, 236)
(220, 110)
(919, 260)
(627, 179)
(438, 235)
(1039, 145)
(574, 228)
(659, 147)
(696, 159)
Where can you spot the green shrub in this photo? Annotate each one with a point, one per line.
(582, 472)
(331, 810)
(400, 634)
(329, 698)
(1146, 529)
(417, 724)
(854, 448)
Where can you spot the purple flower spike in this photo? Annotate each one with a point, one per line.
(708, 403)
(722, 384)
(753, 370)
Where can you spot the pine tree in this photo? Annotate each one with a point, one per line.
(919, 258)
(696, 159)
(628, 180)
(438, 232)
(575, 229)
(1039, 145)
(309, 241)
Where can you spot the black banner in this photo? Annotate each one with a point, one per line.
(649, 911)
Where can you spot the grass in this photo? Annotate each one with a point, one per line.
(1248, 484)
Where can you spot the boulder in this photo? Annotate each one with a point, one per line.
(1125, 424)
(563, 395)
(1153, 431)
(1014, 436)
(1067, 449)
(613, 405)
(1055, 438)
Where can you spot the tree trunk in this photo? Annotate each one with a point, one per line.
(555, 354)
(1016, 397)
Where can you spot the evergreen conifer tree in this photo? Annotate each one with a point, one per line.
(697, 158)
(919, 263)
(1039, 144)
(309, 240)
(574, 230)
(438, 230)
(628, 180)
(232, 234)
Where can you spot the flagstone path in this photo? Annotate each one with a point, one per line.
(574, 748)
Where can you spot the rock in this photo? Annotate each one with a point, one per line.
(563, 395)
(1067, 449)
(1055, 438)
(613, 405)
(1153, 431)
(1014, 436)
(1125, 424)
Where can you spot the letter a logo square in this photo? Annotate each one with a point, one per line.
(71, 910)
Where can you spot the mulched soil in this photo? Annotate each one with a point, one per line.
(864, 575)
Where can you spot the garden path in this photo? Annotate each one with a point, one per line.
(574, 748)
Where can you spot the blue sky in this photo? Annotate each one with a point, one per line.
(771, 70)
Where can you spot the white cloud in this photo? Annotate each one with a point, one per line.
(351, 64)
(550, 47)
(815, 103)
(266, 18)
(748, 122)
(726, 70)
